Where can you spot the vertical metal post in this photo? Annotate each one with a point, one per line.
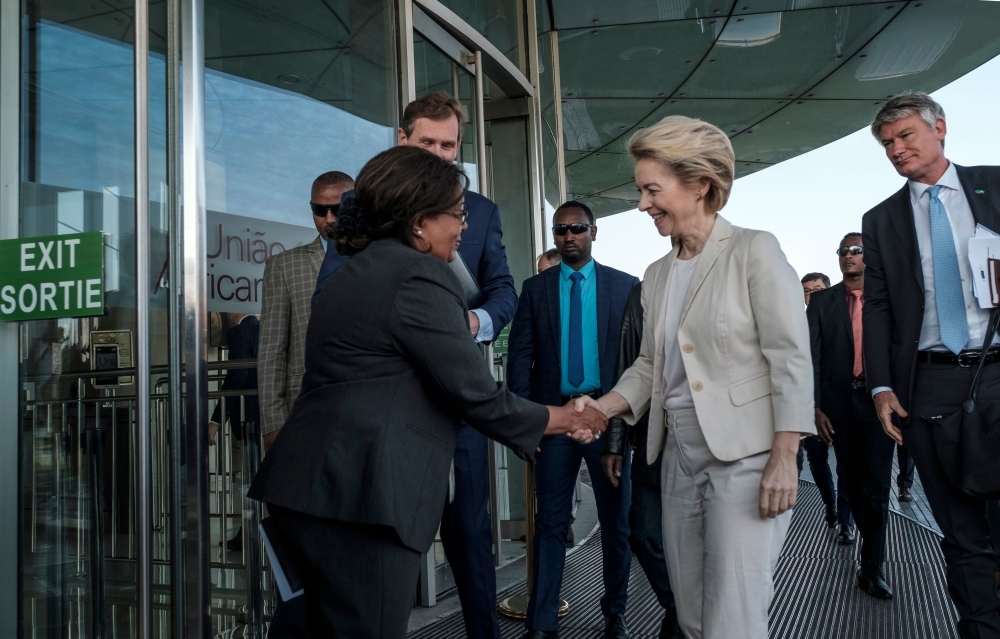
(197, 541)
(483, 170)
(404, 58)
(535, 131)
(10, 418)
(557, 105)
(175, 314)
(144, 507)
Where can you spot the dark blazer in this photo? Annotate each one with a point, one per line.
(483, 251)
(534, 368)
(894, 282)
(619, 436)
(243, 341)
(391, 371)
(832, 341)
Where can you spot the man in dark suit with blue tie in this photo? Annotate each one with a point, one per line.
(924, 330)
(564, 344)
(434, 122)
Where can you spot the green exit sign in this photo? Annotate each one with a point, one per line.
(52, 276)
(503, 339)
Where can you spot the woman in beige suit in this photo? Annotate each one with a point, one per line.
(726, 373)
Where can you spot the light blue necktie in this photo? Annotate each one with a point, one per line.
(948, 294)
(575, 370)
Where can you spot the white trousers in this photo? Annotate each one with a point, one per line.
(720, 554)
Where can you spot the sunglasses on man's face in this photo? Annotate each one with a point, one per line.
(322, 210)
(575, 229)
(853, 250)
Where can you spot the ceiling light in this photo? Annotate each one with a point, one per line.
(289, 78)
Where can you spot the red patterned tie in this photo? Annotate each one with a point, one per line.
(859, 367)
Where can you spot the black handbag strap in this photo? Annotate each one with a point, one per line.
(991, 330)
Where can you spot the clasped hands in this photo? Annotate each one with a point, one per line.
(581, 419)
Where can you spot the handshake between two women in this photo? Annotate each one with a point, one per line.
(583, 422)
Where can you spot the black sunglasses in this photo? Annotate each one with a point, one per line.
(853, 250)
(575, 229)
(322, 210)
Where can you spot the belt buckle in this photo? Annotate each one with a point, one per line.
(968, 360)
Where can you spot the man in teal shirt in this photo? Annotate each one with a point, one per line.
(564, 343)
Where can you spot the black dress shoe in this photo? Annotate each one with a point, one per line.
(615, 628)
(542, 634)
(831, 515)
(670, 629)
(874, 585)
(905, 495)
(845, 536)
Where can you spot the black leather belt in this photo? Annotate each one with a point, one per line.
(859, 384)
(596, 394)
(966, 359)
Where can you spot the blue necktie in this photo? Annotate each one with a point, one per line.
(576, 331)
(948, 293)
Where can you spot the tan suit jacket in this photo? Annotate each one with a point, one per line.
(289, 282)
(744, 343)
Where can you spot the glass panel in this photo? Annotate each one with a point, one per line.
(78, 533)
(292, 91)
(954, 38)
(781, 55)
(570, 14)
(633, 61)
(435, 71)
(495, 19)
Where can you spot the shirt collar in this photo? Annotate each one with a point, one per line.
(949, 180)
(586, 271)
(324, 242)
(848, 289)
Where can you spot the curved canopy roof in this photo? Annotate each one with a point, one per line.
(782, 77)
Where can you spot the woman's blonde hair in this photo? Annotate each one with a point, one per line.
(690, 149)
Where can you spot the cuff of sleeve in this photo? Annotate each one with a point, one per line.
(880, 389)
(485, 333)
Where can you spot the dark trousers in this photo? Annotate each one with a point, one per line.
(906, 467)
(645, 520)
(467, 538)
(864, 455)
(359, 579)
(818, 453)
(940, 390)
(556, 468)
(289, 620)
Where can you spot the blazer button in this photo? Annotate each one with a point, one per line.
(697, 386)
(689, 348)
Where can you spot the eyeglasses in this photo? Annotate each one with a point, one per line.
(575, 229)
(322, 210)
(461, 215)
(853, 250)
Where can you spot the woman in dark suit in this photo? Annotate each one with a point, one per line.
(358, 478)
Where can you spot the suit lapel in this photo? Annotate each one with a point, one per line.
(840, 303)
(900, 214)
(656, 302)
(979, 203)
(717, 241)
(603, 282)
(552, 295)
(316, 253)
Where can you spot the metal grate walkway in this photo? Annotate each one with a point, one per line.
(815, 596)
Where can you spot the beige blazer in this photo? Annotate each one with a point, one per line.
(744, 342)
(289, 282)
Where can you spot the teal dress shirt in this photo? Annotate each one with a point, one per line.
(591, 357)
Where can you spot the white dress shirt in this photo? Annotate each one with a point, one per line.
(963, 227)
(676, 387)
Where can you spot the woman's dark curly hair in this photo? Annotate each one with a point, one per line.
(395, 187)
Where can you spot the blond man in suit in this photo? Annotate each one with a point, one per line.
(726, 373)
(289, 280)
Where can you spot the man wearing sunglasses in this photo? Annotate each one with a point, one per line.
(845, 411)
(434, 122)
(564, 344)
